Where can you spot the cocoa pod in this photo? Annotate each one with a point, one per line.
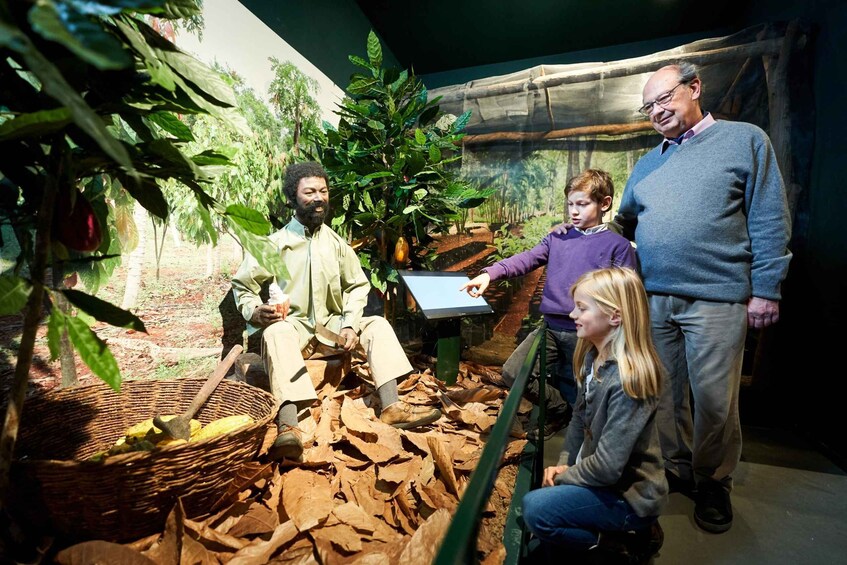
(75, 225)
(401, 251)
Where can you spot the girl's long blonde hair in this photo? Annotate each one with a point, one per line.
(619, 290)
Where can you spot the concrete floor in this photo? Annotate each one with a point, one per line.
(789, 504)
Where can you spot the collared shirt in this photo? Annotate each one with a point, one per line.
(707, 122)
(595, 229)
(327, 283)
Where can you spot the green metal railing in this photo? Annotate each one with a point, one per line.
(459, 545)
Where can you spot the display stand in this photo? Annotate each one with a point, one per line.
(444, 305)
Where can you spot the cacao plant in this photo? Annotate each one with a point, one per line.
(91, 95)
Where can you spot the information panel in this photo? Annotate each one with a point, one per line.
(438, 296)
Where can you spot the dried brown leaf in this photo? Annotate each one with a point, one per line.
(427, 471)
(144, 543)
(345, 537)
(327, 421)
(440, 497)
(417, 440)
(101, 553)
(376, 452)
(401, 471)
(514, 451)
(169, 548)
(424, 544)
(247, 476)
(355, 516)
(258, 519)
(483, 393)
(212, 538)
(307, 498)
(268, 440)
(260, 551)
(366, 494)
(357, 418)
(301, 552)
(194, 553)
(444, 463)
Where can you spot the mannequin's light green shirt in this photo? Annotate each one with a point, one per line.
(327, 282)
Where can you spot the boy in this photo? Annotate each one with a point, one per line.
(588, 247)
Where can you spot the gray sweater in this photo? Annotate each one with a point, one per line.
(710, 216)
(620, 444)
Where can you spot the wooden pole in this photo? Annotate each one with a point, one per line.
(524, 136)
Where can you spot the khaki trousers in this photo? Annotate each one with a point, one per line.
(701, 345)
(284, 349)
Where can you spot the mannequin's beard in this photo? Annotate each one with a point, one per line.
(309, 216)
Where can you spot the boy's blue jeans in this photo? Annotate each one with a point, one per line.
(560, 346)
(572, 516)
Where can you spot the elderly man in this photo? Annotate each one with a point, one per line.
(707, 209)
(328, 289)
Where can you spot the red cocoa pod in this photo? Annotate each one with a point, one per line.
(75, 224)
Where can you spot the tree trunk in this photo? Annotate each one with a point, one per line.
(66, 355)
(32, 316)
(135, 264)
(213, 259)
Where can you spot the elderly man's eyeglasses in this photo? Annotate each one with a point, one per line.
(662, 100)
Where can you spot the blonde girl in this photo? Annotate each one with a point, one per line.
(607, 492)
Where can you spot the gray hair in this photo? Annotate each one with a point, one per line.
(687, 71)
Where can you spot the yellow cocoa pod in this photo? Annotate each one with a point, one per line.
(401, 251)
(141, 428)
(223, 426)
(171, 441)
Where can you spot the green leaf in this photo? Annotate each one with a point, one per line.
(427, 115)
(209, 157)
(410, 209)
(55, 327)
(112, 7)
(356, 60)
(377, 282)
(94, 352)
(148, 195)
(434, 154)
(420, 193)
(81, 34)
(374, 51)
(375, 125)
(420, 137)
(171, 124)
(461, 122)
(104, 311)
(14, 292)
(39, 123)
(55, 85)
(249, 219)
(263, 249)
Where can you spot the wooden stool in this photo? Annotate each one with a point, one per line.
(325, 372)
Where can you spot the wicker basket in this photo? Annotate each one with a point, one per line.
(128, 496)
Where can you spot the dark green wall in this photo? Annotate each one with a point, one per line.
(807, 342)
(323, 31)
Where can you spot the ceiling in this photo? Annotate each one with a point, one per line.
(439, 36)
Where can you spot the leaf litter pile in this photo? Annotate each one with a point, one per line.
(365, 492)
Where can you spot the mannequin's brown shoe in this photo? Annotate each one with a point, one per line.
(287, 445)
(406, 416)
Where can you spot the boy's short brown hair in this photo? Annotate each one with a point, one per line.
(596, 183)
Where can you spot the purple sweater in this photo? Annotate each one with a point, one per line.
(567, 256)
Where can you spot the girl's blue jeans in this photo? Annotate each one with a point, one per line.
(573, 516)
